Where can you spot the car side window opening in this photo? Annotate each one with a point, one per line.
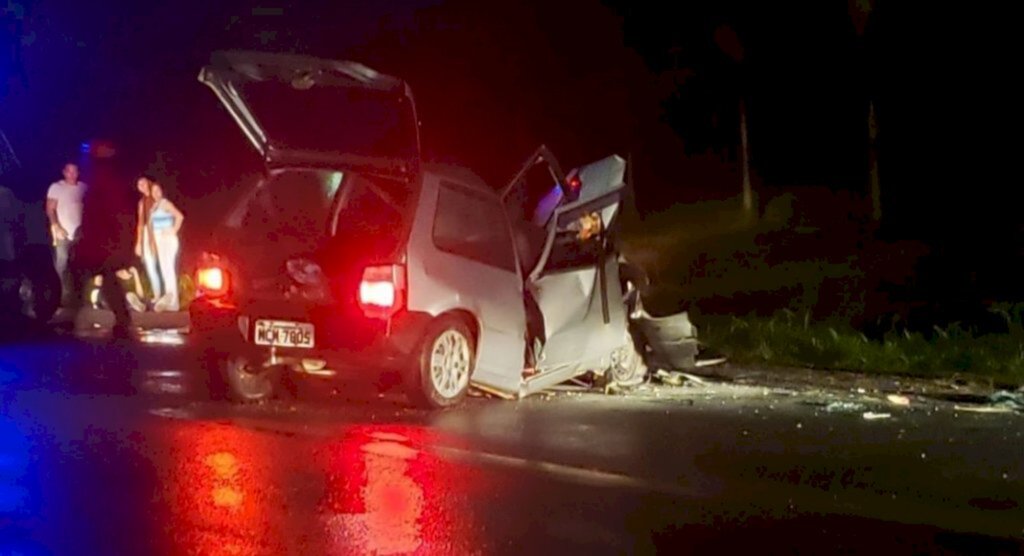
(470, 225)
(579, 242)
(534, 198)
(370, 217)
(530, 204)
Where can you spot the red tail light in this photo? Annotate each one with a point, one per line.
(574, 183)
(382, 291)
(212, 280)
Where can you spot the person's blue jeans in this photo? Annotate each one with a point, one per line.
(61, 254)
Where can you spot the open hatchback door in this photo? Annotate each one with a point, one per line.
(304, 111)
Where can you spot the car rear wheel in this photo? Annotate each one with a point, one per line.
(248, 382)
(40, 293)
(444, 366)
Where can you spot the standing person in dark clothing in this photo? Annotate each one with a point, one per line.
(105, 244)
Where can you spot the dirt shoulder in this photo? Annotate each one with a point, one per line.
(963, 388)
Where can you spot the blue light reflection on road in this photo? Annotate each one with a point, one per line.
(15, 445)
(21, 497)
(14, 468)
(19, 493)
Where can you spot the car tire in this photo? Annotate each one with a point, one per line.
(248, 384)
(628, 368)
(444, 365)
(634, 281)
(40, 289)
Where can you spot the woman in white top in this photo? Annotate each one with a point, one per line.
(158, 243)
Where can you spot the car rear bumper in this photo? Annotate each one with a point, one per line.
(341, 344)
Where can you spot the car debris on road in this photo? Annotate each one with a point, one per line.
(676, 378)
(982, 409)
(1000, 402)
(897, 399)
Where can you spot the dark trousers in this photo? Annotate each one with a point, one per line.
(115, 296)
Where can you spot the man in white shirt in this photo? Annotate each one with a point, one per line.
(64, 209)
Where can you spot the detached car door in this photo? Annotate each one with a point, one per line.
(574, 277)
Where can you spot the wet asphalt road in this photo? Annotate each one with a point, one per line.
(135, 462)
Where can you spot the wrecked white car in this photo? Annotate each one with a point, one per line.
(352, 256)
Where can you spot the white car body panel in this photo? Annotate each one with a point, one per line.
(440, 282)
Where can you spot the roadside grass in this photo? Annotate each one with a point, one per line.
(789, 290)
(710, 254)
(791, 339)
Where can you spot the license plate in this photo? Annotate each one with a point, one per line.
(280, 333)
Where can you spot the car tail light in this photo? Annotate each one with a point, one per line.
(212, 280)
(575, 183)
(382, 291)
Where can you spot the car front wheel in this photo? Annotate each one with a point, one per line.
(444, 365)
(627, 368)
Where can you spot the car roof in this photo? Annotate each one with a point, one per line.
(460, 175)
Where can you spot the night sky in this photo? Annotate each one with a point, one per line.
(493, 80)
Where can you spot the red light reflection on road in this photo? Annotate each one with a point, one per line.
(216, 490)
(385, 496)
(372, 489)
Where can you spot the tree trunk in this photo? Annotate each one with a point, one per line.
(876, 189)
(748, 193)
